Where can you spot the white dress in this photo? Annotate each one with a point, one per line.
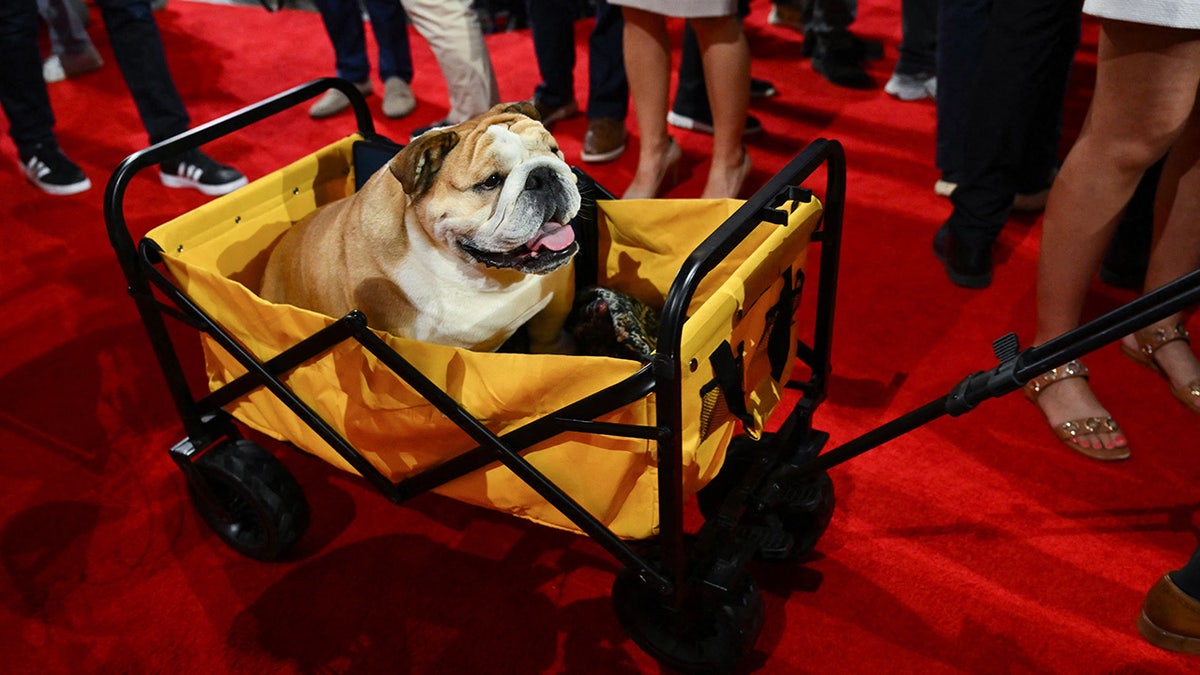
(1172, 13)
(684, 8)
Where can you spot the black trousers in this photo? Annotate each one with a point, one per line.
(1014, 112)
(139, 52)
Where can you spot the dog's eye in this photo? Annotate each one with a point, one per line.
(491, 182)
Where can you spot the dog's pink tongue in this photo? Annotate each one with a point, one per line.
(554, 236)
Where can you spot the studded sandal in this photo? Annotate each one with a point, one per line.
(1150, 340)
(1070, 431)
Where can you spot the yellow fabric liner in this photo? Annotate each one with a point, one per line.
(216, 255)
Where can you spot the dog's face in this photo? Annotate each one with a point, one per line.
(495, 189)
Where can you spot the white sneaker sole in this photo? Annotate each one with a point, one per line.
(210, 190)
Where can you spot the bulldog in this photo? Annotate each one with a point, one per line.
(461, 239)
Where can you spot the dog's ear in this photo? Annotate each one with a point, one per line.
(417, 164)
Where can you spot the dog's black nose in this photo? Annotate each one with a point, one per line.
(539, 179)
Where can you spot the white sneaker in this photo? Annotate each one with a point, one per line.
(912, 87)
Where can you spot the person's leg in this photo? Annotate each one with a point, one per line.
(138, 48)
(552, 26)
(962, 25)
(919, 33)
(648, 67)
(67, 32)
(23, 93)
(1017, 61)
(726, 57)
(344, 25)
(390, 26)
(1175, 252)
(691, 95)
(1146, 86)
(608, 87)
(452, 30)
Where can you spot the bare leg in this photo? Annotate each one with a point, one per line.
(1177, 243)
(1146, 86)
(726, 56)
(648, 67)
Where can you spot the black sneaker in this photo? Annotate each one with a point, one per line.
(761, 88)
(49, 169)
(194, 169)
(704, 124)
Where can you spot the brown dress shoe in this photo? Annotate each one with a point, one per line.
(1170, 618)
(604, 141)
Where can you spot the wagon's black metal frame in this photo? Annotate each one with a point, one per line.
(681, 563)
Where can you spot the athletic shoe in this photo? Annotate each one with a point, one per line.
(704, 125)
(196, 170)
(912, 87)
(49, 169)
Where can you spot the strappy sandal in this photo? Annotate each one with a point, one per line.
(1069, 432)
(1150, 340)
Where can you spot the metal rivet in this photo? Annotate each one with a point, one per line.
(295, 190)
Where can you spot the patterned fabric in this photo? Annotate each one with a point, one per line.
(605, 322)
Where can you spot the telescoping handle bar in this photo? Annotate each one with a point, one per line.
(1019, 367)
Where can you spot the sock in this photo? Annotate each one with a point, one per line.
(1188, 578)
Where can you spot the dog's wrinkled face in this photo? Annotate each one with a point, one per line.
(495, 189)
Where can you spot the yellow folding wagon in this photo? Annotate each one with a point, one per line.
(608, 447)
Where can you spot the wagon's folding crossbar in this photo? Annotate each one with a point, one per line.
(206, 423)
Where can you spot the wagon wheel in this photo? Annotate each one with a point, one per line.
(803, 508)
(805, 511)
(711, 637)
(249, 498)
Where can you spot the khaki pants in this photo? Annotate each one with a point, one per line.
(453, 33)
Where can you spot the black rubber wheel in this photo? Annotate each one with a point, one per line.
(804, 507)
(249, 499)
(712, 637)
(806, 510)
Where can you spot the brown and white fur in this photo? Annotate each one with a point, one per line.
(460, 240)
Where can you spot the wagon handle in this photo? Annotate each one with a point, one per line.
(114, 195)
(122, 239)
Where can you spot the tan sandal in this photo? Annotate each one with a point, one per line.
(1150, 340)
(1069, 432)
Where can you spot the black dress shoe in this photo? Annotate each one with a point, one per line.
(967, 266)
(837, 57)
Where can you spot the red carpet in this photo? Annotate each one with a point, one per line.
(972, 545)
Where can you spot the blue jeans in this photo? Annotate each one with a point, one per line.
(551, 23)
(343, 23)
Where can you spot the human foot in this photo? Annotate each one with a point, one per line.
(1166, 349)
(725, 181)
(1074, 414)
(652, 168)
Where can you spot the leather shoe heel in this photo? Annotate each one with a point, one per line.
(969, 267)
(1170, 618)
